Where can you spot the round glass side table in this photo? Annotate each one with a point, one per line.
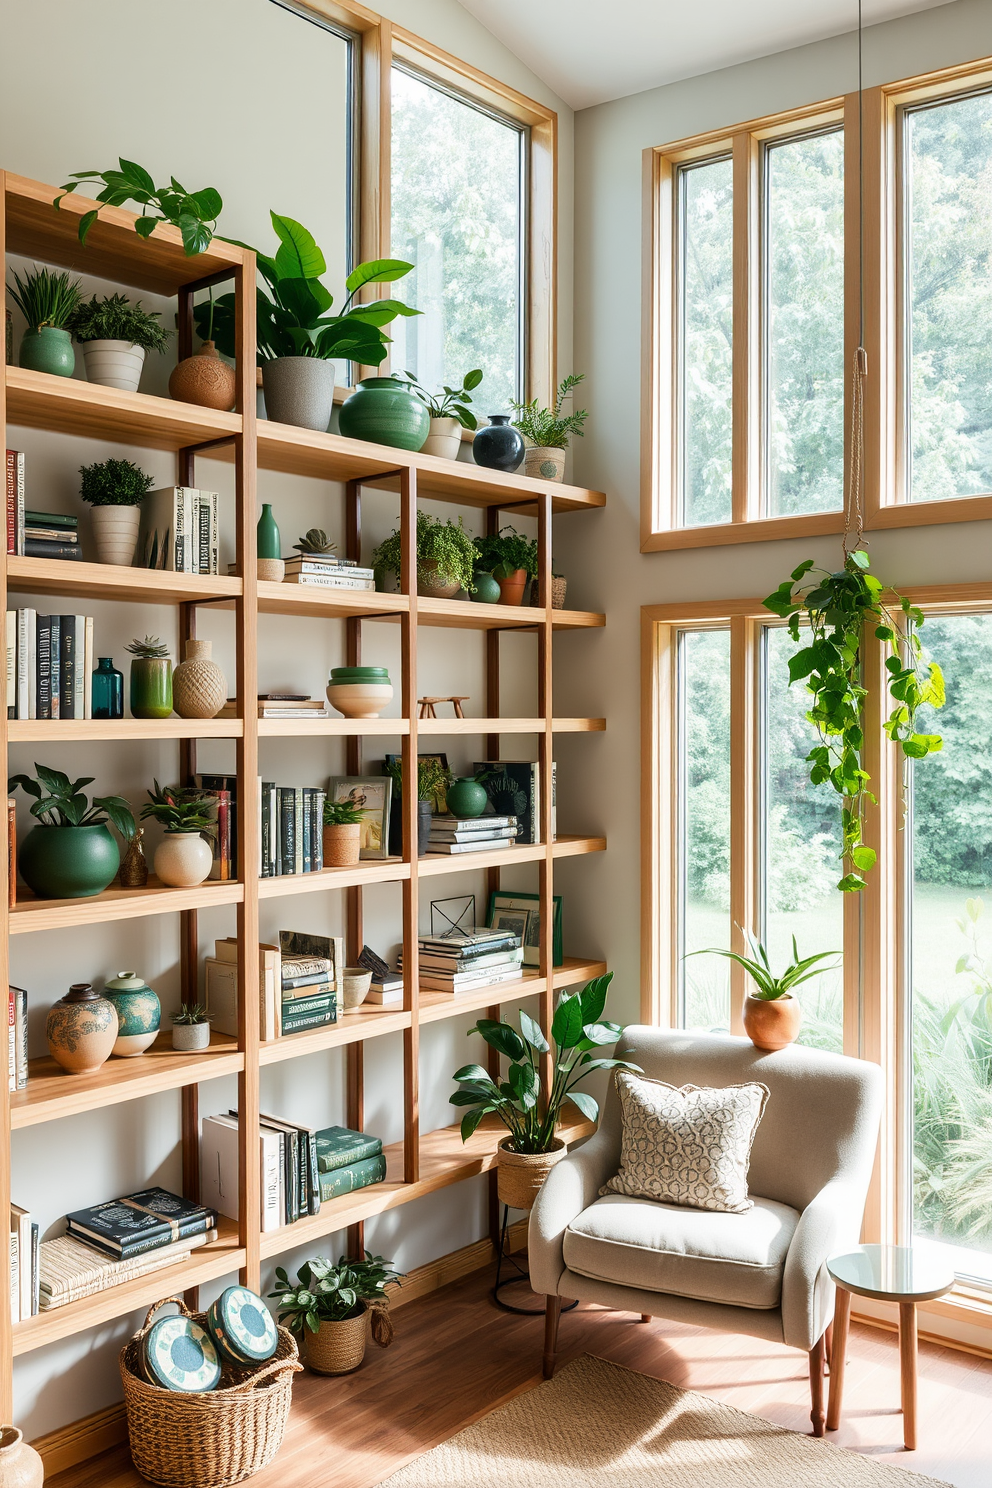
(887, 1273)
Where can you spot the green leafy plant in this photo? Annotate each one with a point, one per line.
(505, 552)
(114, 483)
(330, 1294)
(315, 540)
(836, 607)
(576, 1031)
(191, 1012)
(178, 809)
(438, 542)
(151, 647)
(45, 299)
(758, 967)
(59, 802)
(341, 814)
(114, 318)
(195, 213)
(546, 427)
(433, 778)
(453, 402)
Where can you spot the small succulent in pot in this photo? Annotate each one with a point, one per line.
(71, 853)
(183, 859)
(115, 490)
(191, 1027)
(315, 540)
(151, 678)
(342, 834)
(47, 301)
(115, 335)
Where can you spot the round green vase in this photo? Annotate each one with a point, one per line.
(151, 687)
(268, 541)
(48, 350)
(486, 590)
(382, 411)
(68, 862)
(139, 1013)
(466, 797)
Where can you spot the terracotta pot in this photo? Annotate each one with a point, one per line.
(20, 1465)
(511, 590)
(342, 845)
(81, 1030)
(543, 463)
(114, 364)
(429, 590)
(774, 1024)
(338, 1348)
(520, 1175)
(205, 380)
(444, 439)
(115, 529)
(183, 859)
(199, 687)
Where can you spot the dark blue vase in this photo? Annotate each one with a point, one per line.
(500, 447)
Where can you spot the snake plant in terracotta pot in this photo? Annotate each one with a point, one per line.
(772, 1016)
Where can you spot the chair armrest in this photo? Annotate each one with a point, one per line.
(570, 1187)
(829, 1225)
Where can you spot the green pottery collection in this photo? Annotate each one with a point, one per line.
(69, 862)
(382, 411)
(48, 350)
(466, 797)
(151, 687)
(139, 1013)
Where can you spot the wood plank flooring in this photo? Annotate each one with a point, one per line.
(455, 1357)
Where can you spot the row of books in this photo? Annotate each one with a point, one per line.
(464, 834)
(291, 834)
(36, 534)
(17, 1038)
(179, 531)
(49, 665)
(467, 963)
(299, 984)
(25, 1237)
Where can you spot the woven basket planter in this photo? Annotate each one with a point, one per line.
(558, 588)
(212, 1439)
(519, 1175)
(338, 1348)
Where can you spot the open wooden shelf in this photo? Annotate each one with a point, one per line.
(448, 614)
(30, 914)
(509, 725)
(435, 1006)
(106, 581)
(377, 870)
(463, 614)
(92, 730)
(351, 1028)
(66, 405)
(340, 728)
(329, 604)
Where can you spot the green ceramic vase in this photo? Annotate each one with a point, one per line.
(48, 350)
(151, 687)
(466, 797)
(269, 543)
(382, 411)
(139, 1013)
(486, 589)
(68, 862)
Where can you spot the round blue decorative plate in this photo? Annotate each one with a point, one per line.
(242, 1327)
(179, 1355)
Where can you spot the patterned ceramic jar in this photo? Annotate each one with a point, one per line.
(81, 1030)
(139, 1013)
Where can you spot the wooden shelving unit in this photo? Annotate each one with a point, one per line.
(421, 1163)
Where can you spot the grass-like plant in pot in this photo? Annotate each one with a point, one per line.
(71, 853)
(330, 1309)
(532, 1148)
(548, 431)
(115, 490)
(342, 834)
(48, 302)
(772, 1016)
(183, 858)
(433, 779)
(191, 1028)
(115, 335)
(511, 558)
(446, 557)
(448, 412)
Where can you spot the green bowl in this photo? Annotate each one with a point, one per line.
(359, 674)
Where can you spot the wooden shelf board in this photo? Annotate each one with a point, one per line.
(456, 614)
(435, 864)
(435, 1006)
(444, 1160)
(509, 725)
(58, 730)
(106, 581)
(351, 1028)
(461, 614)
(51, 1094)
(206, 1263)
(30, 914)
(329, 604)
(292, 728)
(381, 870)
(65, 405)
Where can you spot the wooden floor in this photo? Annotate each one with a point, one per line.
(455, 1357)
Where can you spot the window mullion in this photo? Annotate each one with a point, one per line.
(746, 398)
(744, 794)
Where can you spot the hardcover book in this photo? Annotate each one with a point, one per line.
(514, 787)
(143, 1221)
(338, 1147)
(354, 1176)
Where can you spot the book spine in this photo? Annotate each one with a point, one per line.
(31, 634)
(22, 665)
(312, 978)
(179, 528)
(306, 821)
(214, 532)
(347, 1180)
(11, 852)
(306, 1022)
(322, 581)
(21, 1037)
(55, 655)
(11, 1040)
(123, 1253)
(11, 474)
(20, 503)
(35, 1269)
(298, 827)
(15, 1279)
(265, 835)
(348, 1156)
(10, 648)
(43, 666)
(287, 829)
(203, 532)
(320, 797)
(88, 670)
(67, 679)
(44, 547)
(79, 696)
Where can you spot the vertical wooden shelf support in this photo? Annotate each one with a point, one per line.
(411, 885)
(6, 1338)
(546, 746)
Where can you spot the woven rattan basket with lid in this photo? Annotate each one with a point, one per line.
(207, 1440)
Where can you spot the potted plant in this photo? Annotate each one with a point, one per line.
(433, 779)
(511, 559)
(559, 585)
(183, 858)
(190, 1028)
(48, 302)
(115, 335)
(71, 853)
(549, 432)
(446, 557)
(772, 1016)
(342, 834)
(151, 678)
(115, 490)
(330, 1307)
(527, 1155)
(447, 413)
(194, 213)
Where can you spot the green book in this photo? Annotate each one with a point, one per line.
(51, 519)
(337, 1147)
(346, 1180)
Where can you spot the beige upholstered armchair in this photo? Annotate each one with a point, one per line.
(761, 1273)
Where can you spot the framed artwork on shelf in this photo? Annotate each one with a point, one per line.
(372, 797)
(510, 903)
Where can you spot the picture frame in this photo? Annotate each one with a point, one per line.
(514, 921)
(372, 794)
(507, 899)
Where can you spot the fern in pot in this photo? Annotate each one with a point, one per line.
(548, 430)
(115, 335)
(332, 1309)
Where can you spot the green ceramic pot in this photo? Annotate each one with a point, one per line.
(151, 687)
(382, 411)
(269, 543)
(139, 1013)
(486, 591)
(68, 862)
(48, 350)
(466, 797)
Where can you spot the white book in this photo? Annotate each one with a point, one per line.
(221, 995)
(329, 581)
(219, 1169)
(166, 519)
(79, 676)
(88, 669)
(15, 1276)
(457, 968)
(206, 525)
(478, 844)
(22, 1219)
(460, 983)
(31, 630)
(22, 664)
(10, 639)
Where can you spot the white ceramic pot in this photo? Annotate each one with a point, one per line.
(444, 439)
(183, 859)
(299, 390)
(359, 699)
(189, 1036)
(115, 364)
(116, 531)
(541, 462)
(356, 982)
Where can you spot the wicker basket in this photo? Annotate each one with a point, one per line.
(212, 1439)
(339, 1347)
(558, 588)
(519, 1175)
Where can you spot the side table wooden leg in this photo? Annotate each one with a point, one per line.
(908, 1361)
(838, 1356)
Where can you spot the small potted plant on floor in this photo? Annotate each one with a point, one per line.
(548, 431)
(48, 302)
(190, 1028)
(71, 853)
(448, 412)
(772, 1016)
(331, 1307)
(342, 834)
(115, 490)
(527, 1155)
(446, 557)
(433, 779)
(511, 559)
(183, 858)
(115, 335)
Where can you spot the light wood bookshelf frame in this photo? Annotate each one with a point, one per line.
(421, 1163)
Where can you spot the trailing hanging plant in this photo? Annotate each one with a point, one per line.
(442, 543)
(195, 213)
(836, 607)
(114, 318)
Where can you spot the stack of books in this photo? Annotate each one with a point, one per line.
(49, 665)
(280, 705)
(221, 989)
(309, 992)
(69, 1270)
(386, 988)
(328, 572)
(467, 963)
(465, 834)
(292, 829)
(51, 535)
(17, 1038)
(179, 531)
(288, 1157)
(515, 785)
(24, 1259)
(127, 1232)
(347, 1160)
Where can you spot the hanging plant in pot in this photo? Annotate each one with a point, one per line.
(48, 302)
(446, 558)
(183, 858)
(511, 559)
(71, 853)
(115, 335)
(548, 431)
(527, 1155)
(448, 412)
(115, 490)
(772, 1016)
(333, 1309)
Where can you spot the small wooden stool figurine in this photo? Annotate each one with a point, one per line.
(426, 705)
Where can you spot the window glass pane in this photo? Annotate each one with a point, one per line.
(801, 842)
(704, 825)
(948, 186)
(706, 284)
(456, 189)
(804, 251)
(951, 948)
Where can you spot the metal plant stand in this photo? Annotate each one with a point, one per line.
(518, 1274)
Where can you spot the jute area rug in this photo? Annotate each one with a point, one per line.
(598, 1425)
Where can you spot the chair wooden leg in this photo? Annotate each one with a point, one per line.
(817, 1358)
(552, 1317)
(838, 1356)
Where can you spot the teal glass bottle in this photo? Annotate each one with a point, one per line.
(269, 543)
(108, 690)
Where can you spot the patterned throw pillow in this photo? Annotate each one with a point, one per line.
(690, 1146)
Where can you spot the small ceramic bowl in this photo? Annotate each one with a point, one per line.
(359, 699)
(355, 981)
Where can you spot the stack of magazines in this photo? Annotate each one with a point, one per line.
(467, 963)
